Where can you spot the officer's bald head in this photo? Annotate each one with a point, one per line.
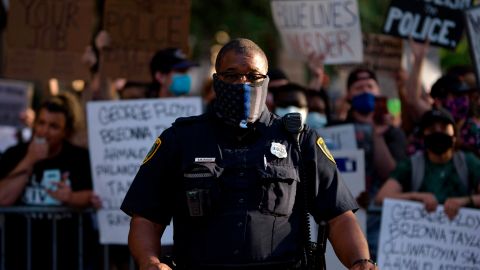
(245, 47)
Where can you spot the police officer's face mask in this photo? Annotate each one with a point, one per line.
(239, 103)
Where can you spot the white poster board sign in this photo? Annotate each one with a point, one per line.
(340, 137)
(351, 164)
(472, 18)
(412, 238)
(120, 134)
(324, 27)
(15, 97)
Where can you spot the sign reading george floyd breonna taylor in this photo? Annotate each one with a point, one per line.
(472, 18)
(412, 238)
(324, 27)
(120, 135)
(439, 21)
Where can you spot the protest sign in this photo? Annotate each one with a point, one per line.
(120, 134)
(382, 52)
(330, 28)
(46, 39)
(351, 164)
(441, 22)
(412, 238)
(339, 137)
(137, 30)
(472, 18)
(15, 97)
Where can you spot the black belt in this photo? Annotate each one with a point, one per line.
(253, 266)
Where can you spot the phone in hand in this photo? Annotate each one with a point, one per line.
(380, 110)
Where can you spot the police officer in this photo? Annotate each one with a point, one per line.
(230, 180)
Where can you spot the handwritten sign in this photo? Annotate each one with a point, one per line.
(472, 18)
(46, 38)
(441, 22)
(330, 28)
(382, 52)
(138, 29)
(120, 134)
(412, 238)
(339, 137)
(15, 97)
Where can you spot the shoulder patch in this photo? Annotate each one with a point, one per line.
(323, 147)
(153, 150)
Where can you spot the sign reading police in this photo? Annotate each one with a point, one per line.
(412, 238)
(472, 17)
(120, 135)
(440, 22)
(330, 28)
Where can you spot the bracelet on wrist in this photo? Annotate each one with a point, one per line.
(364, 261)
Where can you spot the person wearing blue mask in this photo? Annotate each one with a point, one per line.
(318, 109)
(169, 69)
(383, 144)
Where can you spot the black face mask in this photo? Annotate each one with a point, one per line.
(239, 104)
(438, 142)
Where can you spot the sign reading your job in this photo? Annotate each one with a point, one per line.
(329, 28)
(439, 21)
(120, 134)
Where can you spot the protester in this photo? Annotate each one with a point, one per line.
(169, 68)
(47, 171)
(231, 188)
(277, 79)
(439, 174)
(383, 144)
(290, 98)
(318, 109)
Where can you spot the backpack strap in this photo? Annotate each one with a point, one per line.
(418, 170)
(461, 167)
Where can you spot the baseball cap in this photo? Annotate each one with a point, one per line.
(436, 115)
(169, 59)
(358, 74)
(449, 84)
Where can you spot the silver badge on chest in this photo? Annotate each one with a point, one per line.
(279, 150)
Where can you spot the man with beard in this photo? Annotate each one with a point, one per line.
(229, 179)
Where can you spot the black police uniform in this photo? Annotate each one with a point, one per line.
(233, 198)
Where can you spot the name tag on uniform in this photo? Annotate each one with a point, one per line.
(204, 159)
(279, 150)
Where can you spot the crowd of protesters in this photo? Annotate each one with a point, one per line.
(430, 156)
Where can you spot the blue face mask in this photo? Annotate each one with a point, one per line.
(316, 120)
(180, 85)
(364, 103)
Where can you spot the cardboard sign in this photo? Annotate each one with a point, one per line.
(15, 97)
(382, 52)
(138, 29)
(339, 137)
(329, 27)
(120, 134)
(412, 238)
(472, 18)
(441, 22)
(46, 39)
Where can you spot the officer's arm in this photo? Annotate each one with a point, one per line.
(350, 246)
(144, 243)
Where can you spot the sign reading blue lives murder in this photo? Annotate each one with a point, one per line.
(472, 18)
(439, 21)
(324, 27)
(120, 135)
(412, 238)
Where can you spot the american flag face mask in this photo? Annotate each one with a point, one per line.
(239, 103)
